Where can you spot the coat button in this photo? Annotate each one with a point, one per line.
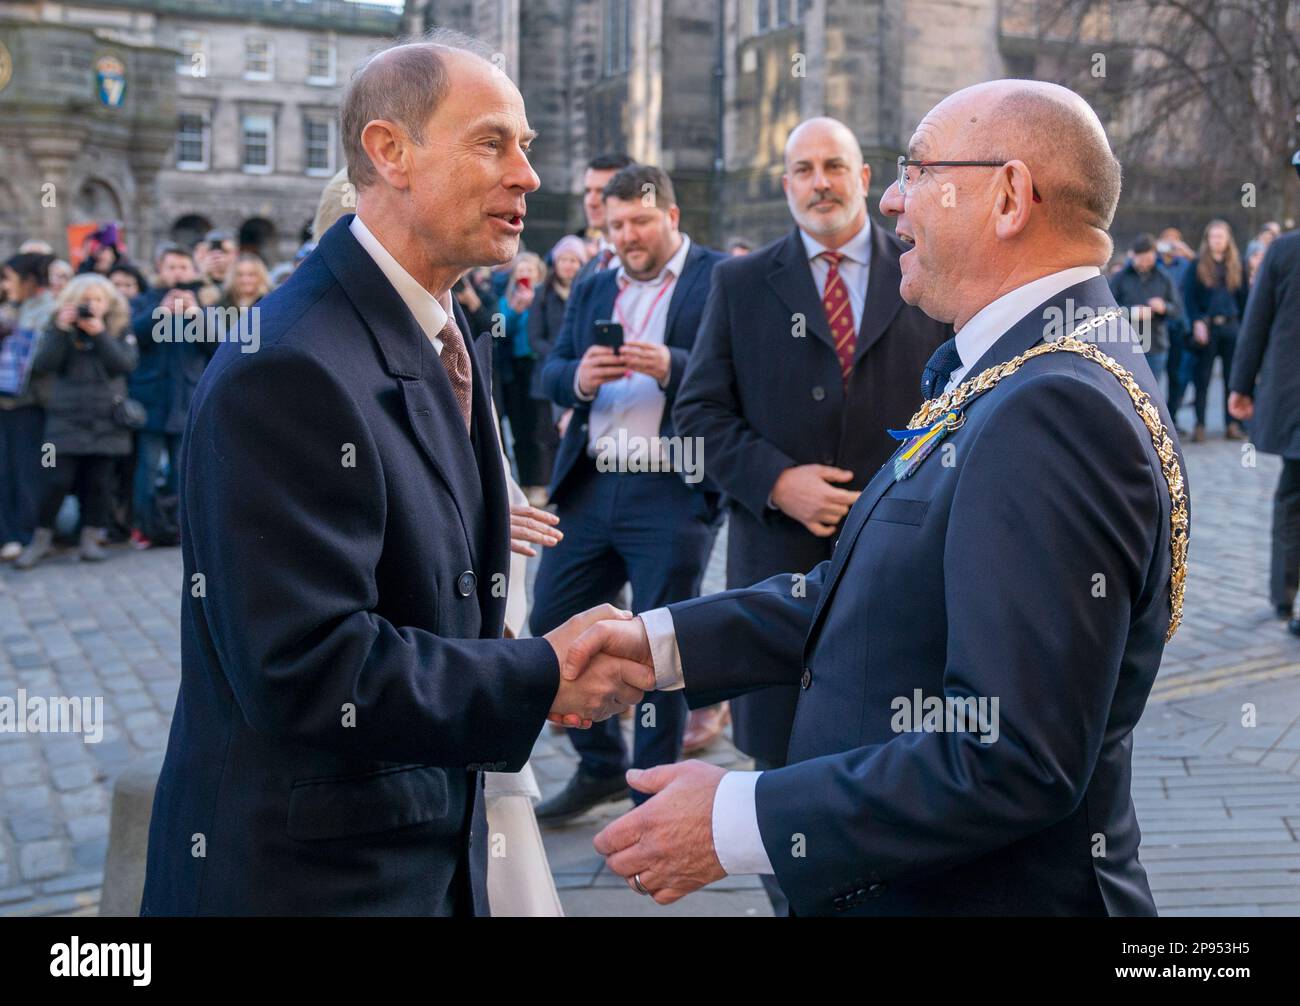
(875, 890)
(818, 393)
(839, 904)
(805, 681)
(465, 583)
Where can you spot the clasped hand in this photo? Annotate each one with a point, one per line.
(605, 665)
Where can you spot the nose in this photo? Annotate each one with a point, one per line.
(521, 175)
(892, 203)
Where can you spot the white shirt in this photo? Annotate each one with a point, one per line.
(424, 307)
(613, 262)
(736, 836)
(635, 403)
(994, 320)
(855, 266)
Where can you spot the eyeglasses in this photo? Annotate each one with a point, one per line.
(904, 163)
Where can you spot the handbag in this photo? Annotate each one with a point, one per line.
(128, 413)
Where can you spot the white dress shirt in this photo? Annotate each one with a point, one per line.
(604, 244)
(855, 266)
(635, 403)
(991, 322)
(736, 837)
(430, 315)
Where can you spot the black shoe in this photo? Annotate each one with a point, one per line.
(1284, 610)
(1293, 626)
(581, 793)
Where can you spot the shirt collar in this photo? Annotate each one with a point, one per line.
(856, 249)
(424, 307)
(673, 267)
(992, 321)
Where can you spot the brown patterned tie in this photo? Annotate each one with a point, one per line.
(455, 360)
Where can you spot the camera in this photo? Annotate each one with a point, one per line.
(84, 312)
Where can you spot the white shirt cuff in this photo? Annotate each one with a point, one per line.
(577, 390)
(736, 838)
(659, 630)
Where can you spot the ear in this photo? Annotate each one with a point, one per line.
(386, 144)
(674, 216)
(1015, 195)
(866, 178)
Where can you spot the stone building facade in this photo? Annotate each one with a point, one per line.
(710, 90)
(227, 116)
(230, 111)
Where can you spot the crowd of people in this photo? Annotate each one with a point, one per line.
(92, 401)
(1192, 303)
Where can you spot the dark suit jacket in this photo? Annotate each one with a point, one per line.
(975, 577)
(545, 319)
(343, 680)
(589, 268)
(764, 401)
(592, 300)
(168, 373)
(1268, 346)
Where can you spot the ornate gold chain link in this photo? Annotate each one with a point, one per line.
(1179, 522)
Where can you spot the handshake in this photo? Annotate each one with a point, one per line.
(605, 665)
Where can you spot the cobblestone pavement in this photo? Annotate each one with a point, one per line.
(1219, 801)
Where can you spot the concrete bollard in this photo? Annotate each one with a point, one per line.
(128, 837)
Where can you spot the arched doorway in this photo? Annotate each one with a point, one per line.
(188, 230)
(257, 234)
(96, 202)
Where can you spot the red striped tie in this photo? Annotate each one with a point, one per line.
(839, 315)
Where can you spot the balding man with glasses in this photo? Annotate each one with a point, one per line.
(971, 662)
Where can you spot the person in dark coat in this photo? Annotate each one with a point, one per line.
(545, 318)
(344, 683)
(1151, 298)
(164, 384)
(1216, 298)
(963, 578)
(790, 434)
(532, 435)
(1265, 391)
(25, 281)
(87, 352)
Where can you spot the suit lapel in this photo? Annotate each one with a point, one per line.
(792, 281)
(410, 357)
(495, 514)
(690, 276)
(883, 301)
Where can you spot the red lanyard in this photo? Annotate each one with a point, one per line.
(636, 332)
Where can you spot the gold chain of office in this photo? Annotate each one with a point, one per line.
(1179, 525)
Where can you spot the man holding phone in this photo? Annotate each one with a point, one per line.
(629, 513)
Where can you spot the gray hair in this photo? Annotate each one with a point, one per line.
(402, 84)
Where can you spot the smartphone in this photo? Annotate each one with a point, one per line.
(525, 281)
(609, 333)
